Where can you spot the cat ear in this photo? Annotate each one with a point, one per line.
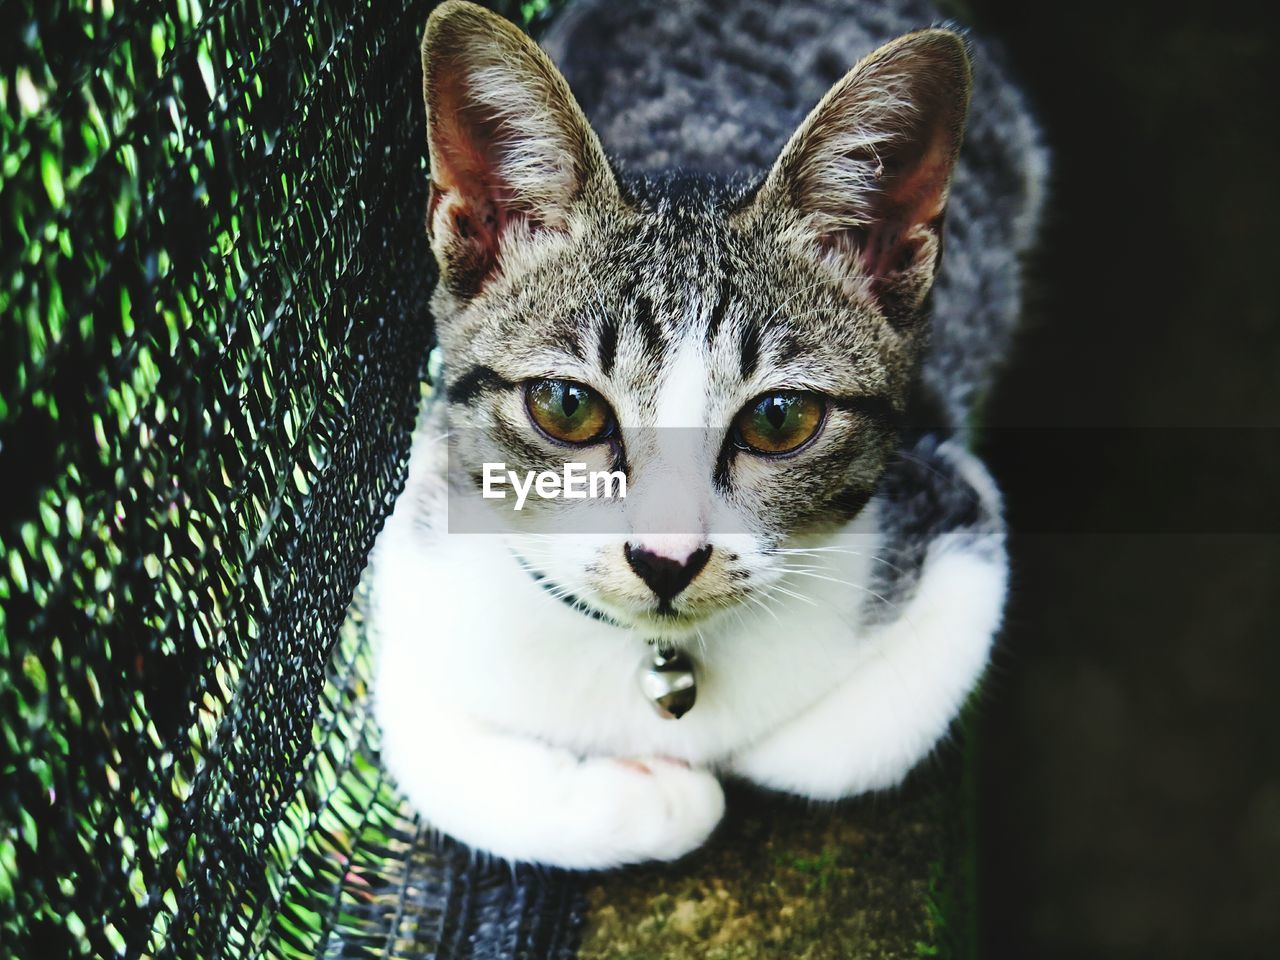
(511, 152)
(869, 169)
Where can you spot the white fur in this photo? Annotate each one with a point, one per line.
(891, 711)
(511, 720)
(682, 402)
(665, 525)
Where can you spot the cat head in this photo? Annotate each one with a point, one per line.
(740, 351)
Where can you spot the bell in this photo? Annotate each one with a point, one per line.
(667, 679)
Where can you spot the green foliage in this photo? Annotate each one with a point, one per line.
(820, 870)
(212, 327)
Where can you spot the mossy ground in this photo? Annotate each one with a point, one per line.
(782, 878)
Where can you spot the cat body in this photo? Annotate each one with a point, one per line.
(838, 597)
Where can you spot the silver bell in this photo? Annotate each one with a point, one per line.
(667, 679)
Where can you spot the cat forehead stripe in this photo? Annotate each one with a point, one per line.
(647, 325)
(749, 347)
(607, 348)
(723, 295)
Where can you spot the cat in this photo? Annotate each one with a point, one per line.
(767, 284)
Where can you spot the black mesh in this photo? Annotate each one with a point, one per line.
(214, 328)
(213, 338)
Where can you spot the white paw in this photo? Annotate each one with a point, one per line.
(647, 808)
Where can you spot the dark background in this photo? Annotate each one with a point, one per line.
(1130, 752)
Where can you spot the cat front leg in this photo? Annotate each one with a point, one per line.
(885, 717)
(524, 800)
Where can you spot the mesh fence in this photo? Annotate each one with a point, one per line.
(213, 334)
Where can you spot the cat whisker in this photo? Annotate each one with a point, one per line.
(808, 572)
(798, 293)
(702, 642)
(874, 647)
(798, 596)
(806, 551)
(759, 602)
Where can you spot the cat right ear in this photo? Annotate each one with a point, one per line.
(511, 151)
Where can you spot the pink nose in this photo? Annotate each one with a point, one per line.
(665, 575)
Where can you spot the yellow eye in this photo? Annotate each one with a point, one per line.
(779, 422)
(568, 411)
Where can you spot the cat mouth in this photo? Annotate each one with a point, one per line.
(666, 610)
(663, 616)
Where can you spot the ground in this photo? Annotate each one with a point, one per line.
(875, 877)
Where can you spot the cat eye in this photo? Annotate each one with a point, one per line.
(568, 411)
(777, 423)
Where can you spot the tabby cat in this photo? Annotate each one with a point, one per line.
(735, 298)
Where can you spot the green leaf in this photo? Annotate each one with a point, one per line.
(51, 174)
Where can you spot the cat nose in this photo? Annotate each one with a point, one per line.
(666, 576)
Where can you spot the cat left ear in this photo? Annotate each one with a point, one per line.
(511, 151)
(869, 170)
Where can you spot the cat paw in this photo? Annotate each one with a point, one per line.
(643, 808)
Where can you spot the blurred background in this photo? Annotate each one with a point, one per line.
(1130, 752)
